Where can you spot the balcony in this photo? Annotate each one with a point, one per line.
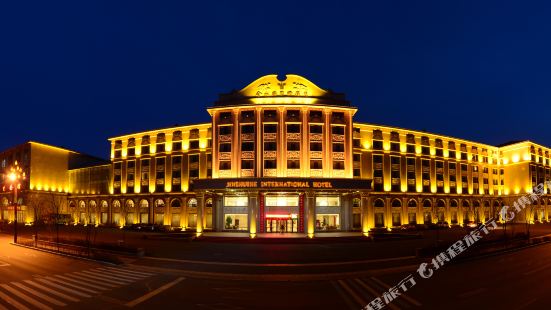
(452, 171)
(316, 137)
(338, 155)
(117, 172)
(426, 182)
(411, 181)
(224, 173)
(144, 182)
(247, 137)
(145, 168)
(338, 173)
(440, 183)
(247, 172)
(395, 181)
(117, 184)
(426, 169)
(270, 136)
(378, 180)
(270, 154)
(316, 154)
(337, 138)
(293, 172)
(176, 181)
(452, 184)
(225, 155)
(130, 183)
(247, 155)
(270, 172)
(293, 154)
(293, 136)
(224, 138)
(411, 168)
(316, 172)
(439, 170)
(160, 181)
(194, 166)
(356, 165)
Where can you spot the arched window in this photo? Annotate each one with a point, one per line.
(379, 203)
(5, 201)
(427, 203)
(144, 203)
(486, 204)
(104, 204)
(159, 203)
(356, 202)
(175, 203)
(208, 203)
(192, 203)
(476, 203)
(130, 203)
(412, 203)
(466, 204)
(92, 203)
(440, 203)
(453, 203)
(116, 204)
(496, 203)
(396, 203)
(82, 204)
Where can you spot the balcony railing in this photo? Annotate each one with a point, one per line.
(411, 181)
(293, 136)
(225, 138)
(160, 181)
(247, 154)
(270, 172)
(270, 136)
(378, 180)
(293, 172)
(395, 181)
(247, 136)
(130, 183)
(194, 166)
(337, 138)
(338, 173)
(293, 154)
(411, 168)
(316, 137)
(225, 155)
(224, 173)
(270, 154)
(247, 172)
(176, 181)
(316, 154)
(338, 155)
(176, 166)
(144, 182)
(426, 182)
(316, 172)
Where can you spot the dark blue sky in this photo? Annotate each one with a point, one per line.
(75, 73)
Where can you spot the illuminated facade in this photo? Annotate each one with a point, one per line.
(288, 156)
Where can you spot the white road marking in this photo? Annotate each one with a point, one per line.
(98, 277)
(80, 281)
(112, 277)
(73, 285)
(357, 298)
(123, 274)
(54, 292)
(140, 273)
(90, 279)
(63, 288)
(13, 302)
(40, 295)
(26, 298)
(374, 293)
(151, 294)
(4, 264)
(406, 297)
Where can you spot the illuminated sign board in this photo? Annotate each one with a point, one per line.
(284, 183)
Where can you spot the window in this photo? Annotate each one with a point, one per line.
(293, 146)
(270, 164)
(293, 164)
(247, 129)
(316, 164)
(377, 145)
(316, 146)
(328, 201)
(177, 146)
(145, 149)
(316, 129)
(338, 147)
(270, 128)
(337, 130)
(194, 144)
(338, 165)
(293, 128)
(236, 201)
(270, 146)
(247, 164)
(225, 130)
(281, 201)
(225, 147)
(225, 165)
(247, 146)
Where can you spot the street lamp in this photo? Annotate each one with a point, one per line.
(14, 177)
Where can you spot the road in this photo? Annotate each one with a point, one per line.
(35, 280)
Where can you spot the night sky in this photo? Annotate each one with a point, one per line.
(74, 73)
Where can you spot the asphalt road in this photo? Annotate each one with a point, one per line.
(35, 280)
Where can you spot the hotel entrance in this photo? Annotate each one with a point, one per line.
(281, 225)
(281, 213)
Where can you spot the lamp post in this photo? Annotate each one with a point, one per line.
(15, 176)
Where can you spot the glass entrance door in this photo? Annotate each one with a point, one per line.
(281, 225)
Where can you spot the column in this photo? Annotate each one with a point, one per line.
(253, 213)
(366, 225)
(200, 212)
(310, 214)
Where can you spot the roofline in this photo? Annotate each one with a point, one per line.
(55, 147)
(157, 130)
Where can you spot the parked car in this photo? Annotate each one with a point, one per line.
(408, 227)
(443, 225)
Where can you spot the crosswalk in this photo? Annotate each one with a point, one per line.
(56, 291)
(359, 292)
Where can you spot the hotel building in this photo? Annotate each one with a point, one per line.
(283, 155)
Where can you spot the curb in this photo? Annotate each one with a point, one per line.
(64, 254)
